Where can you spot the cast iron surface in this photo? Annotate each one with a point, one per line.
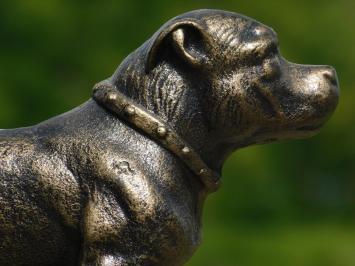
(121, 179)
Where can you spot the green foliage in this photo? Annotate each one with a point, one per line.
(281, 204)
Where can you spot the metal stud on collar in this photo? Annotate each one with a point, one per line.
(186, 150)
(161, 131)
(130, 110)
(109, 97)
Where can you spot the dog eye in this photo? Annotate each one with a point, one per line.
(271, 70)
(273, 48)
(269, 51)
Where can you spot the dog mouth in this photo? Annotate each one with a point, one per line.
(267, 100)
(315, 127)
(309, 129)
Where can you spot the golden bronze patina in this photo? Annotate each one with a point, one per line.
(121, 179)
(108, 96)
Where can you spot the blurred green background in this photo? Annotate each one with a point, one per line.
(289, 203)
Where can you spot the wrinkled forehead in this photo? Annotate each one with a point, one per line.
(240, 34)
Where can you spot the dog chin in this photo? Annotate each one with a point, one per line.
(302, 132)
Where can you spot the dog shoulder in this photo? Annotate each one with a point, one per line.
(58, 186)
(16, 153)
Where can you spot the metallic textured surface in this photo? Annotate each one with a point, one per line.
(108, 96)
(97, 186)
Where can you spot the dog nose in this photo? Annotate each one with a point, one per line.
(330, 74)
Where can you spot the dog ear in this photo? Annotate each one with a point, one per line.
(187, 39)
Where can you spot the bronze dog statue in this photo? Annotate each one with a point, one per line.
(121, 180)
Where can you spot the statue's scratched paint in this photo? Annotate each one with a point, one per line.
(93, 187)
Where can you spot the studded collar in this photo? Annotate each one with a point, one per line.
(105, 94)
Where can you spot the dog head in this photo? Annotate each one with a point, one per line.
(225, 70)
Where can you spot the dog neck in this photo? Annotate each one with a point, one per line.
(138, 117)
(171, 96)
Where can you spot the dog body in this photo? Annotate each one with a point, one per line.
(88, 188)
(64, 183)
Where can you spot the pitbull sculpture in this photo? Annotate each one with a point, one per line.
(121, 179)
